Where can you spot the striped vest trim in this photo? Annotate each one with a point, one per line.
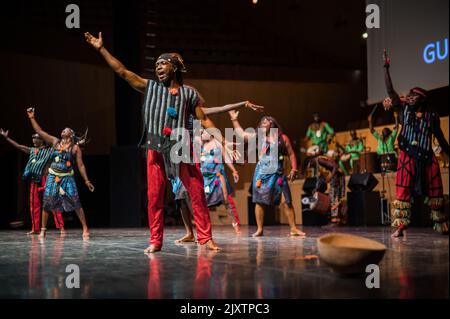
(37, 161)
(417, 133)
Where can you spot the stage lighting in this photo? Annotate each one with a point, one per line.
(255, 1)
(365, 35)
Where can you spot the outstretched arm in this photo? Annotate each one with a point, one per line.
(292, 158)
(82, 168)
(396, 102)
(16, 145)
(231, 107)
(52, 140)
(134, 80)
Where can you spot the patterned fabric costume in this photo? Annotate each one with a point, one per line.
(269, 182)
(418, 172)
(61, 193)
(34, 171)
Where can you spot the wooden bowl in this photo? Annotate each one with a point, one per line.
(348, 254)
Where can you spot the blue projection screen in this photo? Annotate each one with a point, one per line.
(416, 36)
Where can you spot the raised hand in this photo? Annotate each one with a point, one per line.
(234, 114)
(30, 112)
(387, 103)
(254, 107)
(4, 133)
(232, 153)
(386, 59)
(97, 43)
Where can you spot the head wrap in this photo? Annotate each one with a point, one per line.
(175, 59)
(417, 90)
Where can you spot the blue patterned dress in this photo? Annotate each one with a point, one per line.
(61, 192)
(212, 167)
(268, 181)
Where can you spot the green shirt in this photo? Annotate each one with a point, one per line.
(385, 147)
(320, 136)
(355, 149)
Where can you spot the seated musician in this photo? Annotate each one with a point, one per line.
(320, 133)
(352, 152)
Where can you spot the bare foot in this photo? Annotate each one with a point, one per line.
(398, 233)
(188, 238)
(237, 228)
(32, 232)
(152, 249)
(211, 245)
(62, 231)
(42, 233)
(86, 234)
(259, 233)
(296, 233)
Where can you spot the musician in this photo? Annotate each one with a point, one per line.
(385, 142)
(352, 151)
(336, 179)
(320, 133)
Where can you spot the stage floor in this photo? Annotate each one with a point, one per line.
(112, 265)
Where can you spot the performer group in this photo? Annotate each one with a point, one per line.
(201, 183)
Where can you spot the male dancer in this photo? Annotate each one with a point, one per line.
(36, 171)
(418, 172)
(168, 105)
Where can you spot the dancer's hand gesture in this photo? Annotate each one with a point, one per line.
(387, 103)
(4, 133)
(233, 115)
(30, 112)
(90, 186)
(97, 43)
(236, 177)
(232, 153)
(254, 107)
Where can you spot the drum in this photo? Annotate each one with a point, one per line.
(313, 151)
(389, 163)
(320, 203)
(369, 163)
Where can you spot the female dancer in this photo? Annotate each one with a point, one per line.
(268, 185)
(36, 172)
(61, 192)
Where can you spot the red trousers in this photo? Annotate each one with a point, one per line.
(36, 206)
(192, 179)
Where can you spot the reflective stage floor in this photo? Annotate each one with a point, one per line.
(112, 265)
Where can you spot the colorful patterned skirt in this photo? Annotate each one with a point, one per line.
(61, 193)
(267, 188)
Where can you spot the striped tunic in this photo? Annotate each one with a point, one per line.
(165, 110)
(417, 134)
(37, 161)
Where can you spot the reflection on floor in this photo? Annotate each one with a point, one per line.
(112, 265)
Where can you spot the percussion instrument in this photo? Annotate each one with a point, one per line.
(313, 150)
(369, 163)
(320, 203)
(389, 162)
